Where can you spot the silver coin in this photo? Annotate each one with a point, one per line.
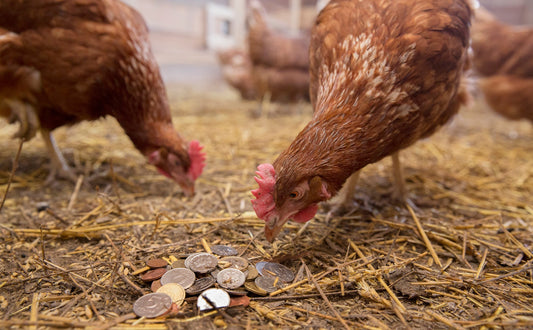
(266, 283)
(231, 278)
(213, 298)
(224, 250)
(284, 273)
(182, 276)
(215, 273)
(260, 265)
(202, 263)
(189, 257)
(234, 262)
(152, 305)
(200, 285)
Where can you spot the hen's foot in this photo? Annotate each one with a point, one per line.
(61, 173)
(25, 114)
(59, 168)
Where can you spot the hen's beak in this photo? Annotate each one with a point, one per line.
(273, 227)
(188, 189)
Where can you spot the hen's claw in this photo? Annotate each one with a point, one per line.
(58, 166)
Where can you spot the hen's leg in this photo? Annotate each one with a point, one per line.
(348, 190)
(59, 167)
(399, 192)
(25, 114)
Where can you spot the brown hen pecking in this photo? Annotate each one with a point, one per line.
(65, 61)
(384, 73)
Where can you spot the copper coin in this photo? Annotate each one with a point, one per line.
(224, 250)
(156, 285)
(200, 285)
(213, 298)
(239, 301)
(156, 263)
(181, 276)
(175, 291)
(152, 305)
(266, 283)
(180, 263)
(284, 273)
(252, 273)
(231, 278)
(250, 286)
(153, 274)
(260, 265)
(234, 262)
(202, 263)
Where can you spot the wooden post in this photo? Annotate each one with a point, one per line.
(296, 16)
(239, 22)
(528, 13)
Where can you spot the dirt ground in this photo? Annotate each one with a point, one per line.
(467, 265)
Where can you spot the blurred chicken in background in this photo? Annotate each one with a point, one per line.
(503, 59)
(275, 67)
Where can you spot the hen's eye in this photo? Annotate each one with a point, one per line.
(294, 194)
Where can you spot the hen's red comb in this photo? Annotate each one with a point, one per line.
(264, 202)
(197, 159)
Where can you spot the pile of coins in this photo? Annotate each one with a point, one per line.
(232, 276)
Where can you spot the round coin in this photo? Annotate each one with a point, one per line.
(231, 278)
(250, 286)
(266, 283)
(180, 263)
(224, 250)
(215, 273)
(175, 291)
(155, 285)
(156, 263)
(153, 274)
(284, 273)
(237, 292)
(187, 260)
(252, 273)
(202, 263)
(200, 285)
(182, 276)
(152, 305)
(260, 265)
(234, 262)
(213, 298)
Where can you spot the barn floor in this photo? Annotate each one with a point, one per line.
(467, 265)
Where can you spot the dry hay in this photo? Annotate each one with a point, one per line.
(460, 257)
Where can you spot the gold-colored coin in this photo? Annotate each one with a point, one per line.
(250, 286)
(175, 291)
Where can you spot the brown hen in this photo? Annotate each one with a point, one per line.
(65, 61)
(499, 48)
(384, 73)
(503, 60)
(279, 63)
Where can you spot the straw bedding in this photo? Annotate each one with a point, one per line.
(457, 256)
